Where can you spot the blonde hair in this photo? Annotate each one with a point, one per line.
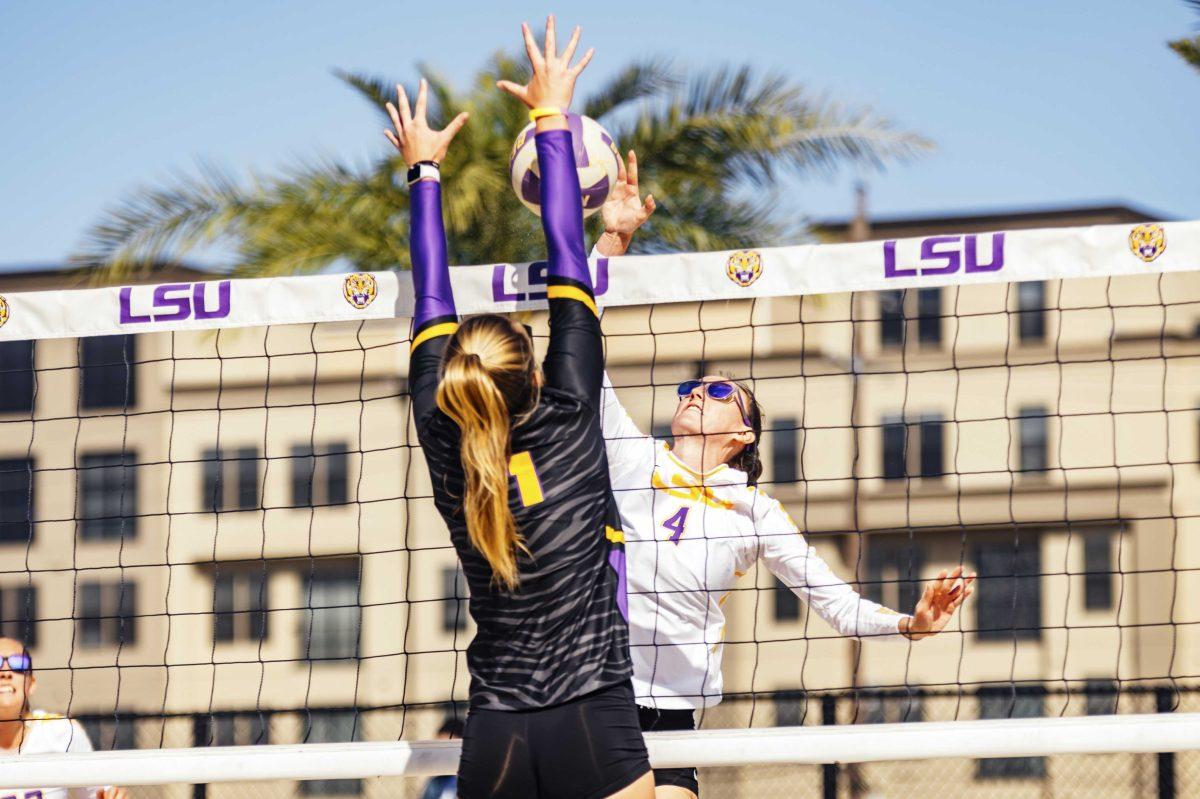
(490, 383)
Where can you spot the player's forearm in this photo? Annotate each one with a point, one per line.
(427, 247)
(562, 208)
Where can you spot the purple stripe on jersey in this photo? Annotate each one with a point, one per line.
(427, 247)
(616, 559)
(562, 207)
(575, 125)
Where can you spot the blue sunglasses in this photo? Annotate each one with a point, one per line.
(720, 390)
(20, 663)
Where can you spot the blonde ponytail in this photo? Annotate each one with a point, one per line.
(489, 376)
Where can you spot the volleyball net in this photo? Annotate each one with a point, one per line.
(217, 529)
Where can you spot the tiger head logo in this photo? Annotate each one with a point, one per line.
(1148, 241)
(744, 267)
(360, 289)
(3, 311)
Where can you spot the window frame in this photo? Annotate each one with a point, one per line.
(98, 521)
(100, 382)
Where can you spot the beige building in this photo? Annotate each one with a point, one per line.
(239, 527)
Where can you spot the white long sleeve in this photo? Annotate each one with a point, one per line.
(790, 558)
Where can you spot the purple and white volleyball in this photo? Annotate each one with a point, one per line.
(596, 157)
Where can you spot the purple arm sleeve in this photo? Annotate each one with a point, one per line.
(562, 207)
(427, 246)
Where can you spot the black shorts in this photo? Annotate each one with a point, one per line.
(587, 748)
(653, 720)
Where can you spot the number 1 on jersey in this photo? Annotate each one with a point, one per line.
(675, 524)
(520, 466)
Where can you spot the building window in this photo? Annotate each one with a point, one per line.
(929, 316)
(1031, 311)
(899, 309)
(787, 604)
(332, 620)
(789, 708)
(319, 475)
(785, 450)
(1031, 437)
(1101, 697)
(108, 495)
(19, 613)
(1007, 703)
(230, 479)
(238, 729)
(876, 709)
(108, 378)
(16, 500)
(240, 606)
(894, 564)
(913, 449)
(1098, 570)
(111, 732)
(891, 318)
(1008, 601)
(454, 606)
(16, 375)
(330, 727)
(108, 614)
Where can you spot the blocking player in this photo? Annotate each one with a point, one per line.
(551, 704)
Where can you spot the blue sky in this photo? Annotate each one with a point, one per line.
(1030, 103)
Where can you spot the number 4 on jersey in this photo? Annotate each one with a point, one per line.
(675, 524)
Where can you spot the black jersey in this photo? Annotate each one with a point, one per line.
(561, 633)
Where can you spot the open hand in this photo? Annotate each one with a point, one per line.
(413, 137)
(936, 607)
(624, 211)
(111, 792)
(553, 81)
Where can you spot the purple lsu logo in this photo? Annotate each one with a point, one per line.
(945, 255)
(174, 301)
(536, 276)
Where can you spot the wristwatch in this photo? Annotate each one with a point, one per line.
(424, 170)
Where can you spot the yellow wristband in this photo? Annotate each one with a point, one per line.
(546, 111)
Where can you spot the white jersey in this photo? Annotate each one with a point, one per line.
(47, 733)
(688, 537)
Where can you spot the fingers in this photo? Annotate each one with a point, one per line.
(633, 173)
(513, 89)
(392, 138)
(649, 206)
(402, 103)
(395, 117)
(569, 53)
(551, 39)
(455, 126)
(583, 62)
(531, 49)
(422, 101)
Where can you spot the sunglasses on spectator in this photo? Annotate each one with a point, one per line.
(20, 663)
(720, 390)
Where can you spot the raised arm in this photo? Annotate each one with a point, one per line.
(575, 357)
(790, 558)
(434, 318)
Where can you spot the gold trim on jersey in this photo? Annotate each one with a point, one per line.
(613, 535)
(444, 329)
(572, 293)
(688, 492)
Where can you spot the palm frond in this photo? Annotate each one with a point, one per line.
(1188, 50)
(636, 81)
(374, 89)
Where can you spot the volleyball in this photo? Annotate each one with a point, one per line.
(596, 158)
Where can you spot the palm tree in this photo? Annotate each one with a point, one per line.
(713, 146)
(1189, 49)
